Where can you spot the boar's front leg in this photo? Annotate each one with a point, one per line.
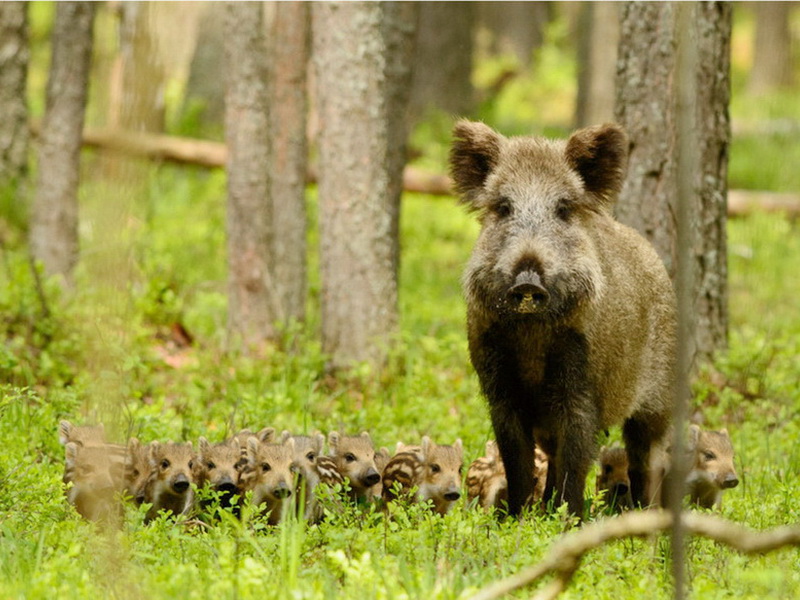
(516, 444)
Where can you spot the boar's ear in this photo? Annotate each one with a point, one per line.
(694, 435)
(317, 441)
(285, 435)
(252, 449)
(475, 152)
(64, 428)
(599, 154)
(266, 434)
(333, 441)
(459, 446)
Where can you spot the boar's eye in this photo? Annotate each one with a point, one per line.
(191, 464)
(564, 209)
(709, 455)
(266, 467)
(502, 208)
(350, 457)
(165, 464)
(607, 469)
(311, 456)
(435, 468)
(211, 465)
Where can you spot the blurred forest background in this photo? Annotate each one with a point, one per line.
(201, 229)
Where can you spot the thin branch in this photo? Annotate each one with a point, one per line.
(565, 555)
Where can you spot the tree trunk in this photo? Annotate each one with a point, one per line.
(772, 51)
(14, 55)
(515, 28)
(646, 107)
(137, 102)
(358, 95)
(54, 218)
(597, 62)
(252, 303)
(443, 59)
(204, 99)
(290, 49)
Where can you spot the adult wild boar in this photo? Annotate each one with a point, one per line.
(571, 315)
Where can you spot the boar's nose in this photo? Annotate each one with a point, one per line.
(528, 295)
(227, 486)
(620, 489)
(731, 481)
(371, 478)
(452, 495)
(282, 491)
(181, 484)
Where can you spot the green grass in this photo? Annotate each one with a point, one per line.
(57, 369)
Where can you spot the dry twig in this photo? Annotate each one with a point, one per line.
(565, 555)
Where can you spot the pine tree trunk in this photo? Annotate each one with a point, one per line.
(54, 217)
(359, 177)
(14, 54)
(252, 304)
(290, 50)
(516, 28)
(442, 77)
(597, 62)
(772, 51)
(646, 107)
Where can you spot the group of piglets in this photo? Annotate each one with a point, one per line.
(276, 473)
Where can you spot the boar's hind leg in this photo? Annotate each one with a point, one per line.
(517, 451)
(641, 433)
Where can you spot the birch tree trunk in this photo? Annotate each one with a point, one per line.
(358, 97)
(290, 52)
(14, 55)
(54, 217)
(646, 107)
(252, 304)
(772, 51)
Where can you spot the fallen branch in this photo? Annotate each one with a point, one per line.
(209, 154)
(564, 557)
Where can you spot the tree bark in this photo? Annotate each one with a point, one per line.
(646, 106)
(14, 55)
(204, 94)
(137, 102)
(443, 59)
(54, 218)
(772, 51)
(516, 28)
(252, 303)
(359, 175)
(597, 62)
(290, 51)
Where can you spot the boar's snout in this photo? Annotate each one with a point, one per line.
(527, 294)
(731, 481)
(181, 484)
(371, 478)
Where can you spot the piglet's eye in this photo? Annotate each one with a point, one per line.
(435, 468)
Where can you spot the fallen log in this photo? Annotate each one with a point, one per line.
(210, 154)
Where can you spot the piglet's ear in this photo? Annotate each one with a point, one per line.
(475, 152)
(599, 154)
